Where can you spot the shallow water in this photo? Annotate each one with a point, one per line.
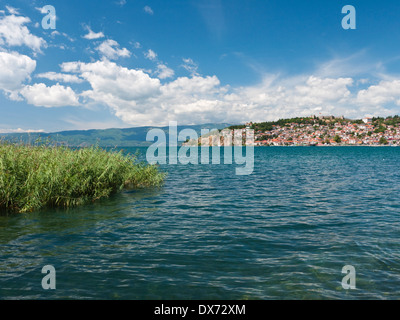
(284, 232)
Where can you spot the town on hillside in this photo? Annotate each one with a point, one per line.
(318, 131)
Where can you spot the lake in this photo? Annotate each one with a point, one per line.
(283, 232)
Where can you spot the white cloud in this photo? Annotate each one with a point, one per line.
(41, 10)
(317, 91)
(190, 66)
(163, 72)
(93, 35)
(383, 93)
(278, 98)
(13, 32)
(62, 77)
(57, 33)
(19, 130)
(151, 55)
(54, 34)
(197, 99)
(113, 81)
(124, 90)
(110, 49)
(15, 69)
(139, 99)
(55, 96)
(12, 10)
(148, 10)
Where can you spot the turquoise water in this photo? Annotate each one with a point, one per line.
(284, 232)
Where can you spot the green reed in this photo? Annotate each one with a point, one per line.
(37, 176)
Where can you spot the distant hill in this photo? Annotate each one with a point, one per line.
(127, 137)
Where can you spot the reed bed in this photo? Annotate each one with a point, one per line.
(36, 176)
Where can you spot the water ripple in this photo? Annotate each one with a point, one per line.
(284, 232)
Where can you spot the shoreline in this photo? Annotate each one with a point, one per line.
(342, 145)
(347, 145)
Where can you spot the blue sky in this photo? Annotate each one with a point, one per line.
(123, 63)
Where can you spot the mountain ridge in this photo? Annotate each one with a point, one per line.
(111, 137)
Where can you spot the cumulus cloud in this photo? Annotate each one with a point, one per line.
(13, 32)
(110, 49)
(124, 90)
(139, 98)
(278, 97)
(93, 35)
(317, 91)
(40, 95)
(163, 72)
(15, 69)
(108, 78)
(380, 94)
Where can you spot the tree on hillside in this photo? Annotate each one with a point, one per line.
(337, 139)
(380, 129)
(383, 140)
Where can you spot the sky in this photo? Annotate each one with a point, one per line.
(130, 63)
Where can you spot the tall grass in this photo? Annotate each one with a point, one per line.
(33, 177)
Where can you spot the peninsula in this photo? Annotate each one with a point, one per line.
(319, 131)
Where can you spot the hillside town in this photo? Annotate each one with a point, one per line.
(333, 131)
(316, 131)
